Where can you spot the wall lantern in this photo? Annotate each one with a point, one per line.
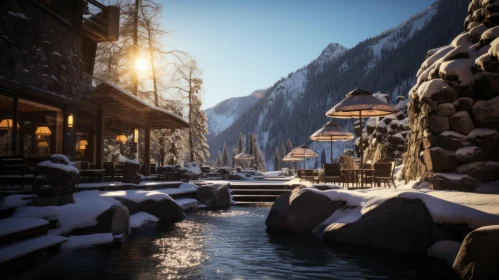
(135, 135)
(121, 138)
(70, 120)
(83, 142)
(83, 147)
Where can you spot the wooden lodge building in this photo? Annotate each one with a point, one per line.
(48, 100)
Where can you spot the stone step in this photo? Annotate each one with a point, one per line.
(255, 195)
(46, 243)
(14, 230)
(261, 190)
(254, 203)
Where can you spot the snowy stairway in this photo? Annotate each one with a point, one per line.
(257, 193)
(13, 230)
(48, 243)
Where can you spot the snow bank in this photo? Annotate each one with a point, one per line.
(82, 241)
(272, 174)
(476, 210)
(141, 218)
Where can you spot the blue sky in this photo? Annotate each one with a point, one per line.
(244, 45)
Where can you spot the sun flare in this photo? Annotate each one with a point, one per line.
(141, 65)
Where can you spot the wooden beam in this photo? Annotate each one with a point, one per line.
(99, 143)
(147, 152)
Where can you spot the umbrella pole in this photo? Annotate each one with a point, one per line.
(304, 161)
(361, 144)
(331, 149)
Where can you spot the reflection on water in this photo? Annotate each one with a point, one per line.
(231, 244)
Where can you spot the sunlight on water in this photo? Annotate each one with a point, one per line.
(232, 244)
(182, 250)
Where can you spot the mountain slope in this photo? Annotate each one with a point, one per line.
(226, 112)
(293, 108)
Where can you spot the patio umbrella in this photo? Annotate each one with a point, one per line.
(329, 132)
(288, 158)
(303, 152)
(244, 156)
(360, 103)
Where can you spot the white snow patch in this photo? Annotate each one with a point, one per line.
(29, 246)
(13, 225)
(141, 218)
(445, 249)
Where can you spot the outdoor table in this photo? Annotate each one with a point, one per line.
(95, 173)
(356, 177)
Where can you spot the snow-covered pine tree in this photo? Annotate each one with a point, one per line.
(277, 160)
(233, 160)
(289, 146)
(187, 76)
(260, 159)
(316, 163)
(218, 161)
(225, 156)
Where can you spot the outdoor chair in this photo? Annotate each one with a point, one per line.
(383, 172)
(300, 173)
(332, 172)
(308, 175)
(12, 169)
(108, 167)
(369, 174)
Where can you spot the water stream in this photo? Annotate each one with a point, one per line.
(231, 244)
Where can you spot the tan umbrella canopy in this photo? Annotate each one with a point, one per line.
(302, 152)
(289, 158)
(244, 155)
(331, 131)
(360, 103)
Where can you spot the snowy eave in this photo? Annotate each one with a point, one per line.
(110, 95)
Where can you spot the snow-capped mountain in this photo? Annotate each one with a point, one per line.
(226, 112)
(294, 107)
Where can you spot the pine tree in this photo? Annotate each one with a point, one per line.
(218, 161)
(316, 164)
(323, 157)
(240, 144)
(188, 76)
(234, 153)
(277, 160)
(260, 160)
(283, 149)
(289, 146)
(225, 156)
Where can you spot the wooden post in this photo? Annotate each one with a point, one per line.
(14, 128)
(99, 143)
(147, 151)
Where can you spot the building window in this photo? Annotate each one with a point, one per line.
(39, 128)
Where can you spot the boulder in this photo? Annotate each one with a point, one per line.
(487, 111)
(166, 210)
(461, 122)
(473, 153)
(452, 140)
(277, 220)
(438, 124)
(446, 109)
(478, 255)
(439, 160)
(300, 211)
(115, 220)
(485, 138)
(399, 224)
(484, 170)
(214, 196)
(463, 104)
(456, 182)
